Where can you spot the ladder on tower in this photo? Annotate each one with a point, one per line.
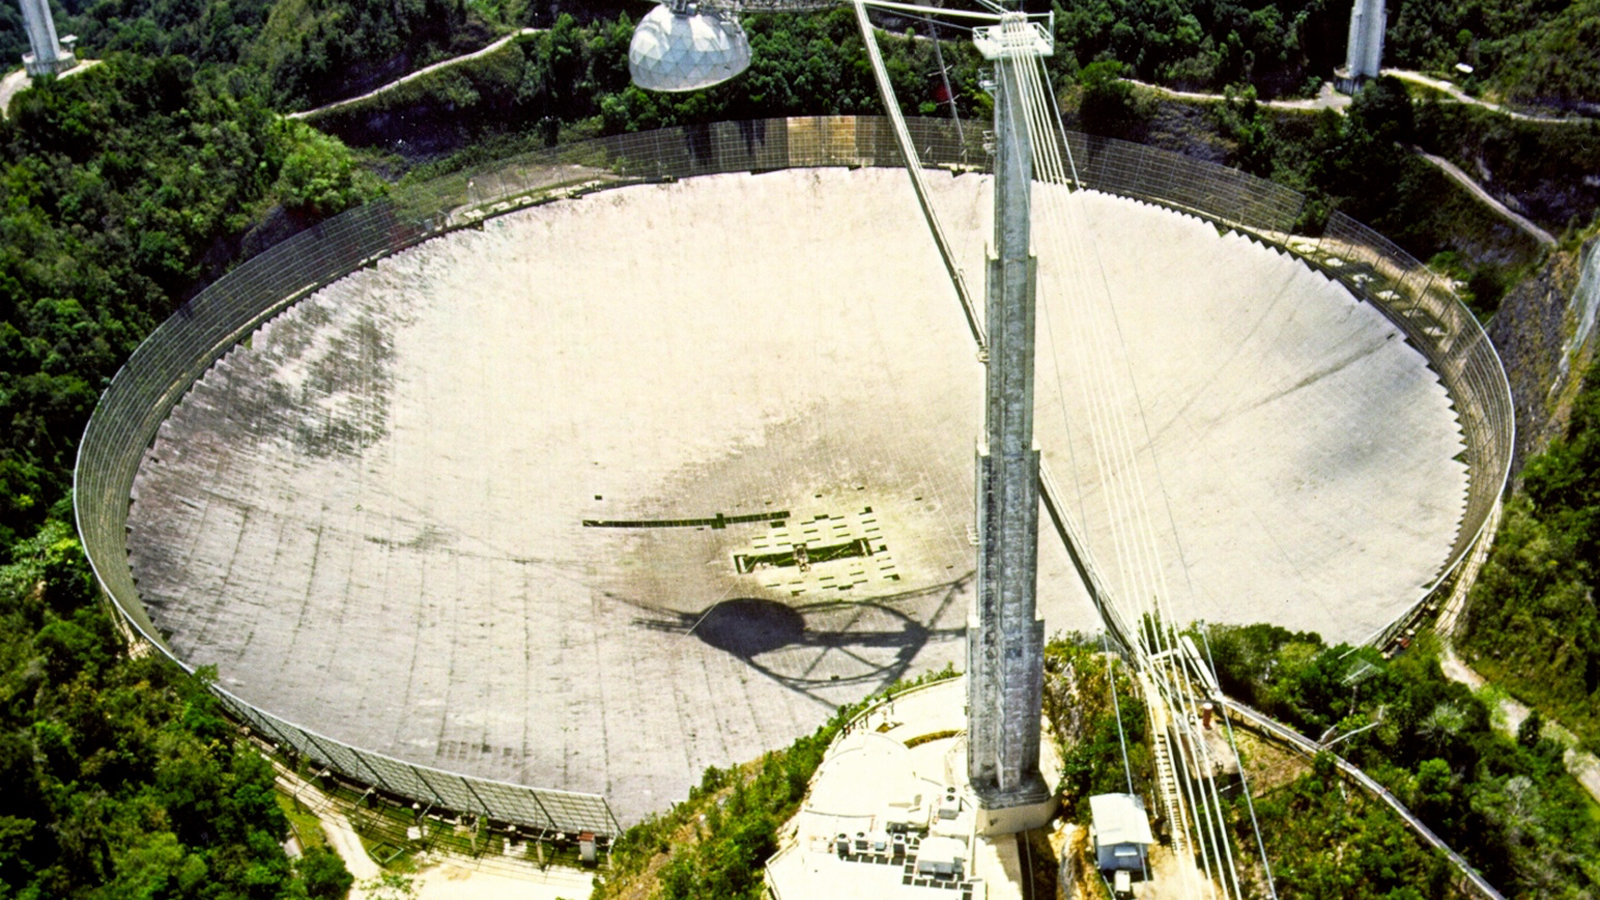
(1171, 799)
(1166, 772)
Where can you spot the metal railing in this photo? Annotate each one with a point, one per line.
(141, 395)
(1265, 725)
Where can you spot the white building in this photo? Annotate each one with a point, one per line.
(1121, 832)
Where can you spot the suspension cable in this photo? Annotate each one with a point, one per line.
(1163, 659)
(919, 185)
(1140, 556)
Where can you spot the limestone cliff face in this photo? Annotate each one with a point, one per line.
(1544, 333)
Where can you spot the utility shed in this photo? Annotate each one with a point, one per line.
(1121, 832)
(942, 857)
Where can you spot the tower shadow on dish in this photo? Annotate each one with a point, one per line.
(747, 626)
(812, 647)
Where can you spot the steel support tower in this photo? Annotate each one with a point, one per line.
(48, 56)
(1364, 51)
(1005, 636)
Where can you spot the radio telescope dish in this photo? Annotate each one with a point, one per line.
(683, 48)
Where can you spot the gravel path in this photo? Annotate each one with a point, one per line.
(442, 64)
(1477, 190)
(1509, 714)
(1459, 96)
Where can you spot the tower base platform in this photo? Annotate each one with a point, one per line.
(890, 812)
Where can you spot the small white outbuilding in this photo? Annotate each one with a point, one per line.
(1121, 832)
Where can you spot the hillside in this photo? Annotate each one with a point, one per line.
(1540, 53)
(1532, 622)
(122, 189)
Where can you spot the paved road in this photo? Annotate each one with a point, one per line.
(1327, 98)
(445, 876)
(1461, 97)
(1477, 190)
(442, 64)
(335, 826)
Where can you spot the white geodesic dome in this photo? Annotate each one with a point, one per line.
(686, 51)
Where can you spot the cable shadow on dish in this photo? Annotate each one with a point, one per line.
(812, 647)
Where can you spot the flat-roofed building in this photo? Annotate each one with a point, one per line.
(1121, 832)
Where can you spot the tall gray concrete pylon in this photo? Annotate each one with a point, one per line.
(1005, 636)
(48, 56)
(1364, 51)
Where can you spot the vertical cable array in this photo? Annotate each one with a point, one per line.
(1076, 278)
(908, 151)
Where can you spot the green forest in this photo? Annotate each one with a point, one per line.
(126, 188)
(122, 777)
(1539, 53)
(1532, 623)
(123, 189)
(1507, 805)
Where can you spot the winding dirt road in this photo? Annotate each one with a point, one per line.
(412, 76)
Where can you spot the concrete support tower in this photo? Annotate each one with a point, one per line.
(1005, 636)
(1364, 52)
(48, 56)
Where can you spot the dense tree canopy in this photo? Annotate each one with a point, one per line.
(121, 188)
(1509, 807)
(121, 778)
(304, 52)
(1198, 44)
(1541, 51)
(1533, 622)
(1329, 844)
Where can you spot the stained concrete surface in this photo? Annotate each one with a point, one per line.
(525, 502)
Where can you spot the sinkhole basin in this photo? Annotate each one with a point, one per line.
(616, 488)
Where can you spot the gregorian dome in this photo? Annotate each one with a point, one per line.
(680, 47)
